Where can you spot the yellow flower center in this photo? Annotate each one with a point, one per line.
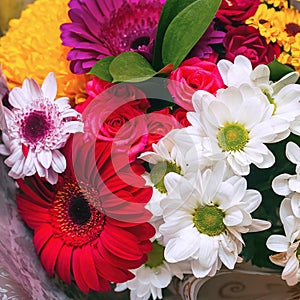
(209, 220)
(159, 171)
(233, 137)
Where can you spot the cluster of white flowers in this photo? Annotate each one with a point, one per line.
(201, 205)
(289, 186)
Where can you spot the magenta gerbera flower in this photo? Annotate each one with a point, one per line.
(105, 28)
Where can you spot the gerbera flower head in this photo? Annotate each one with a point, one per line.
(37, 126)
(128, 26)
(32, 48)
(90, 227)
(209, 216)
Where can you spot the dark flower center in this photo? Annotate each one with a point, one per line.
(35, 126)
(79, 210)
(140, 41)
(292, 29)
(77, 214)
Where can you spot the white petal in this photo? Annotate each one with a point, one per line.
(17, 98)
(228, 253)
(182, 248)
(233, 217)
(49, 86)
(280, 184)
(290, 271)
(32, 89)
(259, 225)
(73, 127)
(45, 158)
(58, 163)
(277, 243)
(51, 176)
(293, 152)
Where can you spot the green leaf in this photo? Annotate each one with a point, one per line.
(170, 9)
(101, 68)
(278, 70)
(132, 67)
(186, 29)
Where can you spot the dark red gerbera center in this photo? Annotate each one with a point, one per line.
(77, 214)
(35, 126)
(292, 29)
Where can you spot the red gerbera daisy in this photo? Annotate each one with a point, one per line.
(89, 227)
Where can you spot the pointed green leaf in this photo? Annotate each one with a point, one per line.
(186, 29)
(170, 10)
(131, 67)
(101, 68)
(278, 70)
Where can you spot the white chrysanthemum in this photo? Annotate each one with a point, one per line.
(284, 94)
(151, 277)
(37, 127)
(287, 245)
(238, 122)
(167, 156)
(289, 185)
(204, 219)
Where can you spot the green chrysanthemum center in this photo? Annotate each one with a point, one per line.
(209, 220)
(233, 137)
(271, 100)
(159, 171)
(156, 256)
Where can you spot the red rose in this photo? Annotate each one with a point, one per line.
(159, 123)
(246, 40)
(118, 115)
(236, 11)
(180, 116)
(192, 75)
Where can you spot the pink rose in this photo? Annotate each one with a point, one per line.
(235, 12)
(159, 123)
(120, 120)
(246, 40)
(192, 75)
(93, 87)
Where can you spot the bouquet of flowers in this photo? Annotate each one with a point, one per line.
(150, 139)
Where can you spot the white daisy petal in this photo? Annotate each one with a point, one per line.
(278, 243)
(49, 86)
(45, 158)
(58, 162)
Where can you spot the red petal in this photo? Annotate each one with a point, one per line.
(88, 269)
(33, 215)
(77, 270)
(63, 263)
(50, 253)
(120, 242)
(41, 236)
(109, 272)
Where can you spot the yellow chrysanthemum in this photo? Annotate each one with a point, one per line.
(276, 3)
(267, 21)
(290, 18)
(32, 48)
(292, 59)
